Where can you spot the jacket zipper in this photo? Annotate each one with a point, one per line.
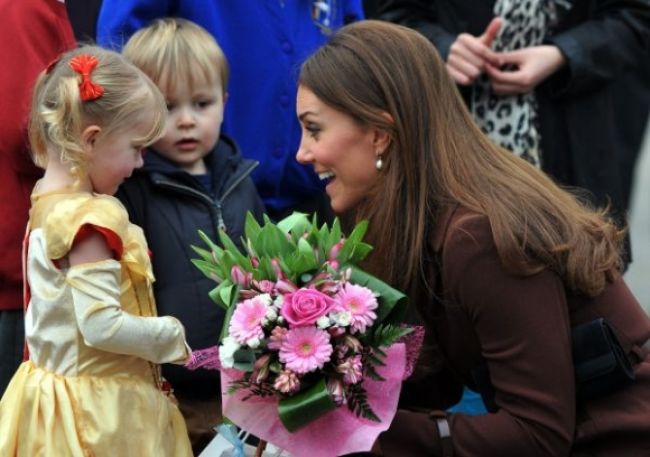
(213, 204)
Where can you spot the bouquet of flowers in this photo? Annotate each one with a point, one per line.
(310, 348)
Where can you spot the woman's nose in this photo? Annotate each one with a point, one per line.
(303, 156)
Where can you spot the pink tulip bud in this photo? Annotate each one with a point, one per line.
(285, 286)
(241, 277)
(275, 263)
(334, 252)
(255, 261)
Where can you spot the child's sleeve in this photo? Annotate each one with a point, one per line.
(104, 325)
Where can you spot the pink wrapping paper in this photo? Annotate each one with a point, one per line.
(335, 433)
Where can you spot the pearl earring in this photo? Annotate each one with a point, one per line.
(379, 164)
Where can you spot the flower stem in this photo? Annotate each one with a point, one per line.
(260, 448)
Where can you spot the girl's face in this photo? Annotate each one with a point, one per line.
(113, 157)
(342, 152)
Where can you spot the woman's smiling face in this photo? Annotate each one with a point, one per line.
(341, 151)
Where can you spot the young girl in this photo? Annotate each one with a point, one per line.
(91, 385)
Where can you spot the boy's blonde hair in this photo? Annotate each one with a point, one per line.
(59, 116)
(176, 52)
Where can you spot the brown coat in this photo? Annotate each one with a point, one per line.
(521, 327)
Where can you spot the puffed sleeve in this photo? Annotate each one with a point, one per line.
(104, 325)
(68, 216)
(523, 328)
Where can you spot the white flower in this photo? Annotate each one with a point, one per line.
(323, 322)
(342, 319)
(278, 302)
(253, 343)
(280, 319)
(271, 314)
(266, 298)
(227, 351)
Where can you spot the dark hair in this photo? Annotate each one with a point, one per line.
(439, 157)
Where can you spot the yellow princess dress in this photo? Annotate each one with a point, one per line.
(91, 386)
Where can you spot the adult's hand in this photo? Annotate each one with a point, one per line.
(531, 66)
(469, 54)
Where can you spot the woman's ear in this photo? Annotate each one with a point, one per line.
(89, 137)
(382, 138)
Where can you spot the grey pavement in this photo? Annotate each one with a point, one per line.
(638, 275)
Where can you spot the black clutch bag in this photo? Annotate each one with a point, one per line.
(601, 364)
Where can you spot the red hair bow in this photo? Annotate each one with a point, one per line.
(84, 64)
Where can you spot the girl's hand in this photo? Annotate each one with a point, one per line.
(532, 66)
(468, 55)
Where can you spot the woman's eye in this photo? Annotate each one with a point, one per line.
(313, 130)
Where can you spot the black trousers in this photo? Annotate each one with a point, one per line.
(12, 342)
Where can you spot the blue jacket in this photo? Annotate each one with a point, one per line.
(171, 206)
(265, 42)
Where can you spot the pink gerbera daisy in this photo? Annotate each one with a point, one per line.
(361, 303)
(305, 349)
(246, 322)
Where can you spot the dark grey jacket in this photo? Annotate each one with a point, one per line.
(171, 206)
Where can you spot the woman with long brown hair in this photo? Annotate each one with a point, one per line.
(505, 267)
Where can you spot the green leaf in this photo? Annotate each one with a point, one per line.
(244, 359)
(384, 335)
(235, 253)
(203, 253)
(226, 321)
(304, 407)
(350, 244)
(209, 269)
(358, 402)
(296, 224)
(273, 242)
(251, 227)
(211, 244)
(226, 294)
(216, 295)
(361, 250)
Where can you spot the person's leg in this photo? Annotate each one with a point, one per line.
(201, 416)
(12, 342)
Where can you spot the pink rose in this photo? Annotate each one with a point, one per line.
(305, 306)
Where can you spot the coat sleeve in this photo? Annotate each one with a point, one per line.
(353, 11)
(421, 15)
(522, 325)
(598, 50)
(119, 19)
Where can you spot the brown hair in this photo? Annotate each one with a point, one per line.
(438, 157)
(176, 52)
(58, 115)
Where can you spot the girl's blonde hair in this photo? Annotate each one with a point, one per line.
(178, 53)
(59, 116)
(438, 157)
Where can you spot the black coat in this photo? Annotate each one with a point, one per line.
(171, 206)
(602, 40)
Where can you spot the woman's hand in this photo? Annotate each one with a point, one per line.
(468, 55)
(532, 66)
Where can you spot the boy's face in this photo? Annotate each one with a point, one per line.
(193, 126)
